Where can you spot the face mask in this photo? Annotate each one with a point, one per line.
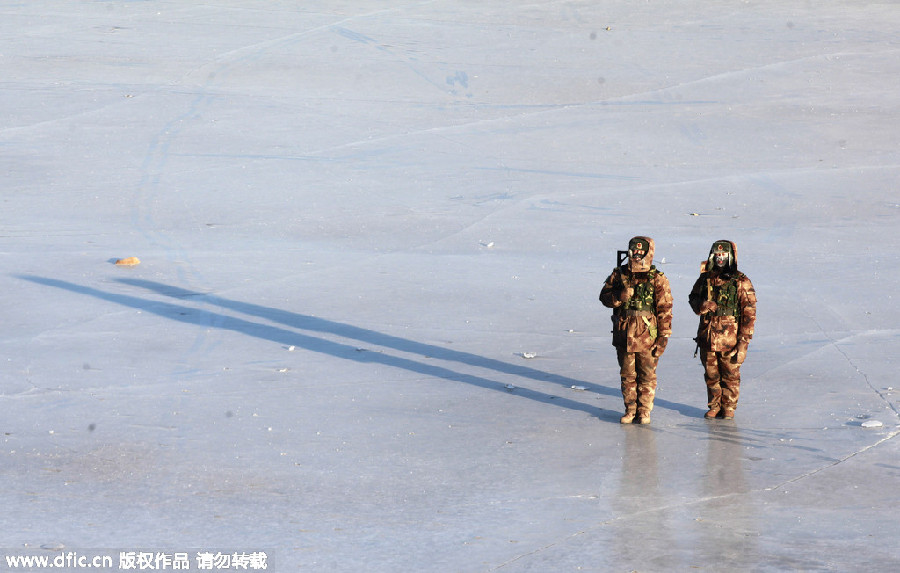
(721, 259)
(637, 250)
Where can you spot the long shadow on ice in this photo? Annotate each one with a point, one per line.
(208, 319)
(364, 335)
(316, 324)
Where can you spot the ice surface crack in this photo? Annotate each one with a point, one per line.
(890, 436)
(866, 378)
(613, 520)
(859, 371)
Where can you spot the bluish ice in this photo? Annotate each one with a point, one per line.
(364, 332)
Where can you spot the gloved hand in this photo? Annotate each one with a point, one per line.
(708, 306)
(659, 346)
(739, 352)
(625, 294)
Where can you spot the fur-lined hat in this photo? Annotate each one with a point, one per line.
(640, 244)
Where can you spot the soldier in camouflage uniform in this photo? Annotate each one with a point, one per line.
(726, 302)
(641, 300)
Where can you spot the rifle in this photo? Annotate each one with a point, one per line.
(621, 258)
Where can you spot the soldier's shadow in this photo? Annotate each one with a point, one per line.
(294, 322)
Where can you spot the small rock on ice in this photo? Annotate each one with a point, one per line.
(872, 424)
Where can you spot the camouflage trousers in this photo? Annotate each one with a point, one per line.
(723, 379)
(637, 371)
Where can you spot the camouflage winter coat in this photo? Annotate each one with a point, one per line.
(647, 314)
(735, 313)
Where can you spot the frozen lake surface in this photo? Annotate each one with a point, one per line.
(364, 334)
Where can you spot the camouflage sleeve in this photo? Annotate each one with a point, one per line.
(664, 305)
(611, 291)
(698, 294)
(747, 302)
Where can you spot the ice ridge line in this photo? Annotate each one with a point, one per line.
(890, 436)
